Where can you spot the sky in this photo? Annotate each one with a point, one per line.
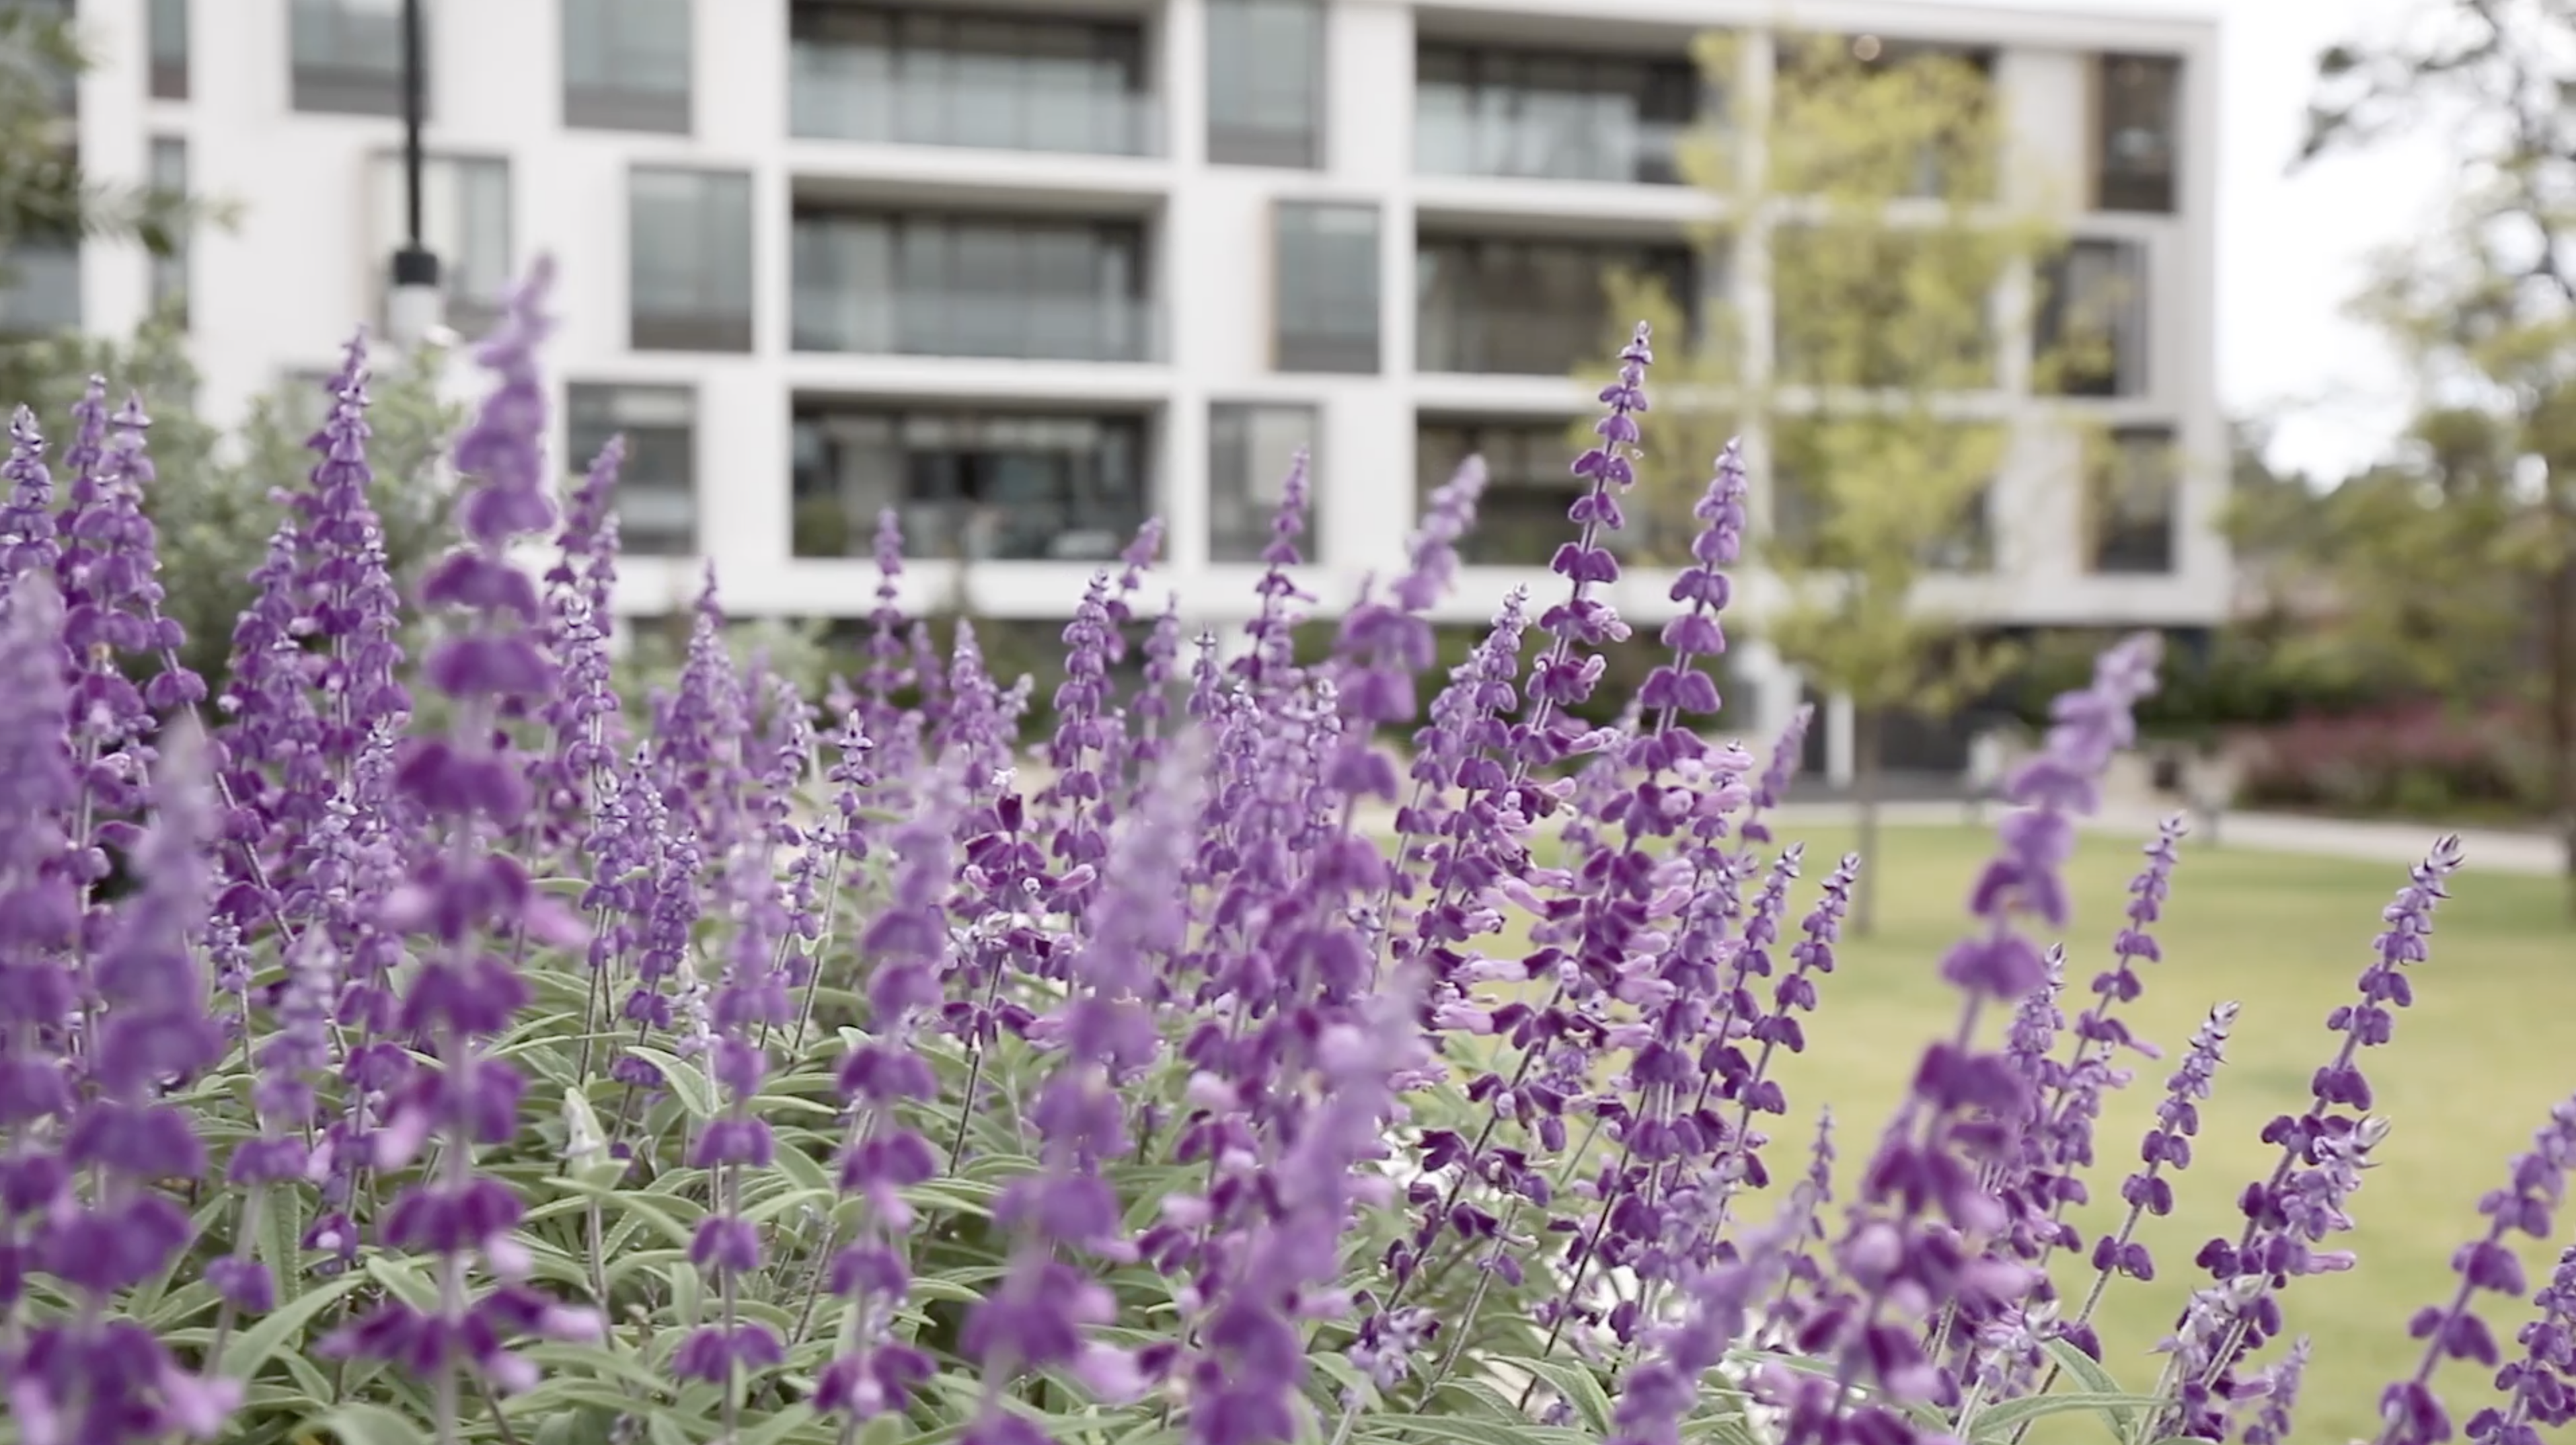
(2292, 249)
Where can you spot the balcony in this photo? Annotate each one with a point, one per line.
(1530, 308)
(969, 485)
(1005, 288)
(906, 77)
(1548, 116)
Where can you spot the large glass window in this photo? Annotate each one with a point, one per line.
(166, 39)
(465, 221)
(1529, 484)
(1807, 514)
(2090, 336)
(1531, 307)
(40, 286)
(1250, 449)
(1265, 82)
(2139, 102)
(348, 55)
(626, 64)
(1550, 115)
(2132, 501)
(688, 260)
(170, 272)
(1327, 291)
(1032, 288)
(657, 484)
(929, 75)
(969, 485)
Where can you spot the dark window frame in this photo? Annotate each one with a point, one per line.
(2151, 187)
(2120, 324)
(168, 285)
(941, 488)
(2121, 539)
(592, 415)
(917, 54)
(1666, 91)
(1303, 298)
(1248, 140)
(1529, 484)
(713, 325)
(917, 241)
(347, 86)
(621, 104)
(1482, 341)
(1238, 525)
(167, 49)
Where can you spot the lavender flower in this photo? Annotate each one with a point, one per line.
(2540, 1385)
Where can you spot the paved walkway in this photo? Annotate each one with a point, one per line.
(2397, 844)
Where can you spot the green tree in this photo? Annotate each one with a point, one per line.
(213, 499)
(1870, 193)
(2484, 308)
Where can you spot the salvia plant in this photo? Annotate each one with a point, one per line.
(445, 1047)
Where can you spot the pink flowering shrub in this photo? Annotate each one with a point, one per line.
(748, 1067)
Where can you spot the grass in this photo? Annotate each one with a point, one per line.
(2473, 1070)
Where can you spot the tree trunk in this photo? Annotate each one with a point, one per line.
(1864, 903)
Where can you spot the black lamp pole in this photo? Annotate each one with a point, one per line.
(414, 311)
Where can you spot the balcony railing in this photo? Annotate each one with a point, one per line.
(972, 324)
(1564, 147)
(839, 92)
(1511, 341)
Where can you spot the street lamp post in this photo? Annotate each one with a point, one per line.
(416, 307)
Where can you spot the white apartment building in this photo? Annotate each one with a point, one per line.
(1031, 270)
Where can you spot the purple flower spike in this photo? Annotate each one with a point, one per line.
(2275, 1398)
(2539, 1385)
(2527, 1204)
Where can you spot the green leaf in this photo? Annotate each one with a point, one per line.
(2098, 1381)
(2009, 1415)
(371, 1425)
(1576, 1385)
(777, 1427)
(1464, 1431)
(687, 1084)
(247, 1353)
(281, 1238)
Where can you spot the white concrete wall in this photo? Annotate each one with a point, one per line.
(304, 267)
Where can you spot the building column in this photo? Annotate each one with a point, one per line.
(1840, 752)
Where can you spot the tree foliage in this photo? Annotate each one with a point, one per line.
(1873, 194)
(2480, 507)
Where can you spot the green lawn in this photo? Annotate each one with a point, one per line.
(2473, 1070)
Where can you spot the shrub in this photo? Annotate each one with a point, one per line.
(565, 1072)
(2419, 760)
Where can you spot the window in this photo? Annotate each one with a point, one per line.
(1531, 307)
(1250, 449)
(40, 286)
(2130, 509)
(969, 485)
(1265, 82)
(166, 40)
(688, 260)
(1822, 77)
(1529, 484)
(2090, 337)
(1327, 288)
(1031, 288)
(1551, 115)
(464, 221)
(925, 75)
(348, 56)
(170, 273)
(2137, 102)
(626, 64)
(657, 484)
